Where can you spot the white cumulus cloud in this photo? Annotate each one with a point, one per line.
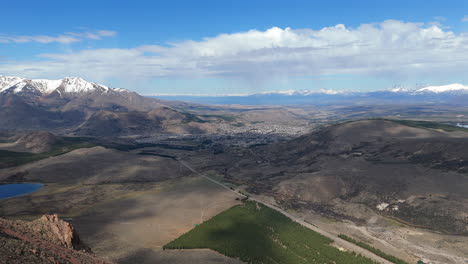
(390, 48)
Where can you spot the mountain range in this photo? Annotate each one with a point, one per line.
(76, 106)
(445, 94)
(72, 92)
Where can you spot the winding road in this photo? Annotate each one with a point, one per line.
(337, 241)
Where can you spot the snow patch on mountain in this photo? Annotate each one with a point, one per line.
(303, 92)
(444, 88)
(45, 86)
(456, 87)
(68, 85)
(399, 90)
(78, 85)
(7, 81)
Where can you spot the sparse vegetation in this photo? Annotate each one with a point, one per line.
(157, 154)
(429, 124)
(13, 158)
(227, 118)
(239, 124)
(127, 147)
(192, 118)
(376, 251)
(255, 233)
(68, 144)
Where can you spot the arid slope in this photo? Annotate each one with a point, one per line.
(45, 240)
(415, 175)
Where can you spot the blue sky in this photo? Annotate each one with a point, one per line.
(232, 47)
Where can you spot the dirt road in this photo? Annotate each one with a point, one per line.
(338, 241)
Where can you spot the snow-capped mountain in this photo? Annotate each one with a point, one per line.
(62, 104)
(78, 107)
(445, 94)
(304, 92)
(456, 87)
(68, 85)
(450, 88)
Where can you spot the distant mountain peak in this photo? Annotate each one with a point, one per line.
(6, 81)
(449, 88)
(78, 85)
(399, 89)
(67, 85)
(304, 92)
(444, 88)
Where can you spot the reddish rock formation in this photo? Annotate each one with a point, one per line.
(45, 240)
(63, 233)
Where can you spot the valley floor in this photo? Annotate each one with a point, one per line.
(129, 222)
(136, 228)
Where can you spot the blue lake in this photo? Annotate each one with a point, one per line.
(16, 189)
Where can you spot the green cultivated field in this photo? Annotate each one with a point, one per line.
(254, 233)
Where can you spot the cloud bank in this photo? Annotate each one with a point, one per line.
(392, 49)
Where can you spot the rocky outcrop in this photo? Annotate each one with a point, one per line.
(45, 240)
(60, 232)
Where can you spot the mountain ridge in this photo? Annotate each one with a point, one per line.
(72, 104)
(447, 94)
(70, 85)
